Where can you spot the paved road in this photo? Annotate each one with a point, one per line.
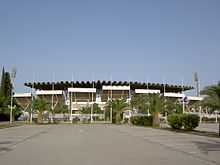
(209, 127)
(104, 145)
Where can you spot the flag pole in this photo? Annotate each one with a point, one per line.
(183, 98)
(52, 107)
(71, 100)
(92, 101)
(111, 101)
(32, 99)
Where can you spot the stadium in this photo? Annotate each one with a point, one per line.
(79, 94)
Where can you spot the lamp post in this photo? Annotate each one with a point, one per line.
(32, 101)
(13, 74)
(148, 110)
(91, 115)
(111, 111)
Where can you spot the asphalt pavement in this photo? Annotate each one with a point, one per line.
(104, 145)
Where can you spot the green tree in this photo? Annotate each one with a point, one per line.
(85, 110)
(141, 102)
(4, 108)
(40, 105)
(154, 102)
(117, 106)
(156, 106)
(212, 96)
(2, 87)
(61, 108)
(97, 109)
(172, 105)
(5, 95)
(7, 85)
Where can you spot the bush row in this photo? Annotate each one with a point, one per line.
(141, 120)
(186, 121)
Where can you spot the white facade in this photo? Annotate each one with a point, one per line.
(82, 90)
(178, 95)
(49, 92)
(146, 91)
(116, 88)
(22, 95)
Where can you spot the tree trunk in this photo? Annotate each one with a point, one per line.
(219, 128)
(39, 118)
(51, 114)
(118, 118)
(156, 119)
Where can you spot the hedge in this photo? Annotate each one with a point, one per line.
(142, 120)
(190, 121)
(175, 121)
(187, 121)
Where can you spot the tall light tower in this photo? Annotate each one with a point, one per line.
(13, 75)
(91, 115)
(111, 111)
(32, 100)
(196, 80)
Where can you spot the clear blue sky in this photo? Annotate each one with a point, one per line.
(128, 39)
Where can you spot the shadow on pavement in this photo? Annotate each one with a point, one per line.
(6, 142)
(205, 147)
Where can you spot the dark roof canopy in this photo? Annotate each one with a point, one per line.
(63, 85)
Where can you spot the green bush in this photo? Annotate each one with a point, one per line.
(175, 121)
(190, 121)
(142, 120)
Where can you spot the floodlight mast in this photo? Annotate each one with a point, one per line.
(13, 75)
(32, 99)
(52, 102)
(111, 103)
(197, 84)
(70, 102)
(92, 103)
(164, 86)
(183, 98)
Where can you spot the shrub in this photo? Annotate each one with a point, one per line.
(142, 120)
(175, 121)
(190, 121)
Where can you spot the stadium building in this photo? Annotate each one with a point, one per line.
(78, 94)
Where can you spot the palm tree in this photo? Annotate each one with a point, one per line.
(171, 105)
(212, 96)
(40, 105)
(61, 109)
(118, 106)
(156, 106)
(153, 102)
(141, 102)
(85, 110)
(96, 109)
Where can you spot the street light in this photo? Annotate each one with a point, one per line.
(13, 75)
(148, 110)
